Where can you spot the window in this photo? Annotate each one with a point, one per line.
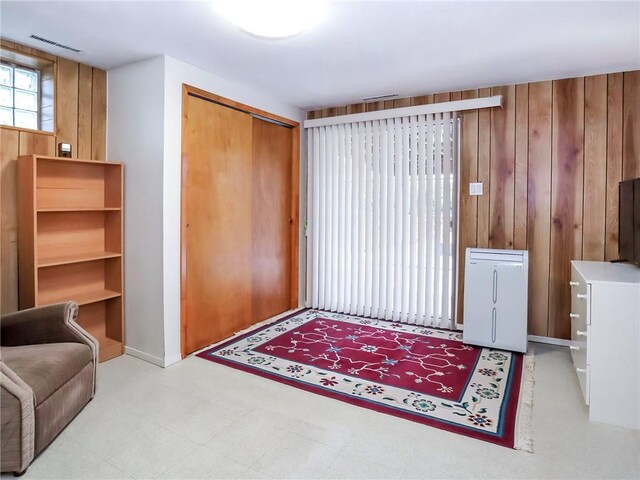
(19, 96)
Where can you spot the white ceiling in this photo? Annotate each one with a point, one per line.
(359, 50)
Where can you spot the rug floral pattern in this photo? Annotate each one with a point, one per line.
(424, 374)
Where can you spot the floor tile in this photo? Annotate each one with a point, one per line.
(205, 464)
(105, 471)
(105, 428)
(63, 459)
(296, 457)
(153, 455)
(205, 421)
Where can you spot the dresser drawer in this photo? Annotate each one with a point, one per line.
(579, 351)
(580, 330)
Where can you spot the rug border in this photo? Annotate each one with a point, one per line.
(509, 426)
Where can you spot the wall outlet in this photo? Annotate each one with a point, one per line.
(475, 188)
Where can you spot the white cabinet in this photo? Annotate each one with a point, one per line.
(495, 299)
(605, 339)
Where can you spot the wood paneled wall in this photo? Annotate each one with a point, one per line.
(80, 119)
(550, 161)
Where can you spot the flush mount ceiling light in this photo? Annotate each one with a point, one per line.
(274, 19)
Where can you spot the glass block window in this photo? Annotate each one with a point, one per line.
(19, 96)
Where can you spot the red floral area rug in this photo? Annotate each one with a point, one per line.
(418, 373)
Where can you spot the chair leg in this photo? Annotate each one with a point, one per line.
(19, 474)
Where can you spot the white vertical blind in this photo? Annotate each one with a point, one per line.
(381, 211)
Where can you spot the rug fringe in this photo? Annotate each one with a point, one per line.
(524, 440)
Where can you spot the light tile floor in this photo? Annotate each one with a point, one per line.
(200, 420)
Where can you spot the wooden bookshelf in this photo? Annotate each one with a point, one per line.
(70, 241)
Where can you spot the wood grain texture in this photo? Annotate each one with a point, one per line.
(66, 115)
(614, 162)
(73, 122)
(539, 204)
(595, 164)
(9, 221)
(468, 204)
(441, 97)
(99, 115)
(36, 143)
(631, 126)
(271, 219)
(567, 157)
(85, 88)
(484, 172)
(521, 167)
(218, 215)
(501, 193)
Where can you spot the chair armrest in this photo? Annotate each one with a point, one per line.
(50, 324)
(17, 416)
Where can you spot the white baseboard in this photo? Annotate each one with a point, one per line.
(550, 340)
(160, 362)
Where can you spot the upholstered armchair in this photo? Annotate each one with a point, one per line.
(47, 375)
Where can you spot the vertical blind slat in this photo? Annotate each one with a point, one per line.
(342, 186)
(422, 222)
(438, 220)
(382, 286)
(355, 227)
(397, 246)
(413, 221)
(375, 273)
(368, 221)
(348, 246)
(391, 219)
(323, 227)
(446, 204)
(430, 219)
(362, 226)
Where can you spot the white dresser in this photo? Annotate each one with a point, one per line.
(605, 339)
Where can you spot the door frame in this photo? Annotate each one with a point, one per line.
(189, 90)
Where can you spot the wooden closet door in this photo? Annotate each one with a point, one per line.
(217, 290)
(271, 224)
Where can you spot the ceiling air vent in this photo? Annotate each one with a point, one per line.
(55, 44)
(378, 98)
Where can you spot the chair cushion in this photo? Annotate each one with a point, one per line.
(46, 367)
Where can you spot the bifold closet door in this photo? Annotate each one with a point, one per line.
(237, 209)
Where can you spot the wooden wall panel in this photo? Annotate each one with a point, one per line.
(85, 90)
(550, 162)
(566, 198)
(99, 115)
(539, 204)
(468, 205)
(9, 142)
(521, 167)
(501, 193)
(39, 143)
(595, 163)
(66, 115)
(80, 118)
(484, 171)
(614, 162)
(631, 126)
